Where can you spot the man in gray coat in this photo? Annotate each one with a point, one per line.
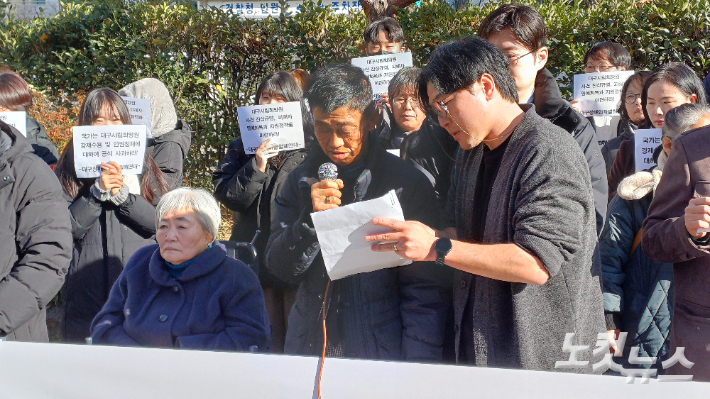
(35, 239)
(524, 214)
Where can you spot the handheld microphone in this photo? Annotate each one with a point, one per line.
(328, 171)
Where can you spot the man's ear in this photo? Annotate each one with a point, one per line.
(488, 85)
(541, 56)
(694, 98)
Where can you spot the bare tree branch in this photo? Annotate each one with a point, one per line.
(378, 9)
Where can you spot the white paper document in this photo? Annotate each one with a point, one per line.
(341, 234)
(16, 119)
(645, 143)
(139, 109)
(282, 123)
(381, 68)
(94, 145)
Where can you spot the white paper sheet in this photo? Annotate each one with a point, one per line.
(341, 234)
(282, 123)
(94, 145)
(16, 119)
(139, 109)
(381, 68)
(645, 142)
(599, 93)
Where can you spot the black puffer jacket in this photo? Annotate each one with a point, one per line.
(42, 146)
(391, 314)
(105, 237)
(249, 193)
(550, 105)
(35, 239)
(170, 150)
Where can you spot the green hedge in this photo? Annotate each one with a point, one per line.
(212, 61)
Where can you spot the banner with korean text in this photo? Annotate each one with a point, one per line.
(381, 68)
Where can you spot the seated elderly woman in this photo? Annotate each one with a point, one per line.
(185, 292)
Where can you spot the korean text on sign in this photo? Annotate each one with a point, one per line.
(600, 93)
(282, 123)
(16, 119)
(645, 143)
(139, 109)
(94, 145)
(381, 68)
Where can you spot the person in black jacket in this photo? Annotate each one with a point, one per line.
(519, 31)
(249, 184)
(35, 239)
(111, 218)
(171, 139)
(395, 314)
(417, 137)
(15, 95)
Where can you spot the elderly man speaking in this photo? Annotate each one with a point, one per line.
(393, 314)
(524, 218)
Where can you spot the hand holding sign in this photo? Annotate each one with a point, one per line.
(263, 153)
(111, 178)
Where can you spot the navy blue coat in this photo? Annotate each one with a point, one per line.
(216, 304)
(637, 289)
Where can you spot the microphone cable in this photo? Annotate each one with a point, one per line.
(325, 338)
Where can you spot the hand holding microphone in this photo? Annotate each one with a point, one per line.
(326, 193)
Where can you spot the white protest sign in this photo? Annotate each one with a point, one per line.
(599, 93)
(94, 145)
(282, 123)
(139, 109)
(645, 142)
(381, 68)
(341, 234)
(16, 119)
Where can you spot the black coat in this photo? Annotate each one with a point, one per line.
(623, 132)
(431, 150)
(105, 237)
(550, 105)
(41, 144)
(249, 193)
(35, 239)
(169, 151)
(395, 314)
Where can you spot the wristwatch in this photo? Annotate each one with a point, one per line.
(442, 247)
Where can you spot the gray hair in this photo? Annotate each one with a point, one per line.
(196, 199)
(681, 118)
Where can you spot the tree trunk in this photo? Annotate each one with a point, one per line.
(378, 9)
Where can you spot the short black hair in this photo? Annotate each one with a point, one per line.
(387, 24)
(340, 85)
(457, 65)
(280, 84)
(405, 80)
(524, 22)
(680, 76)
(640, 77)
(617, 54)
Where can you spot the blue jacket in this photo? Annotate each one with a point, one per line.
(637, 290)
(216, 304)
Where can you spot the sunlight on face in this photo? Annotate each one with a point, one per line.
(181, 236)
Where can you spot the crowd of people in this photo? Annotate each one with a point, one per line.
(530, 243)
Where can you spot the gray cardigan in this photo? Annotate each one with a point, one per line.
(542, 201)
